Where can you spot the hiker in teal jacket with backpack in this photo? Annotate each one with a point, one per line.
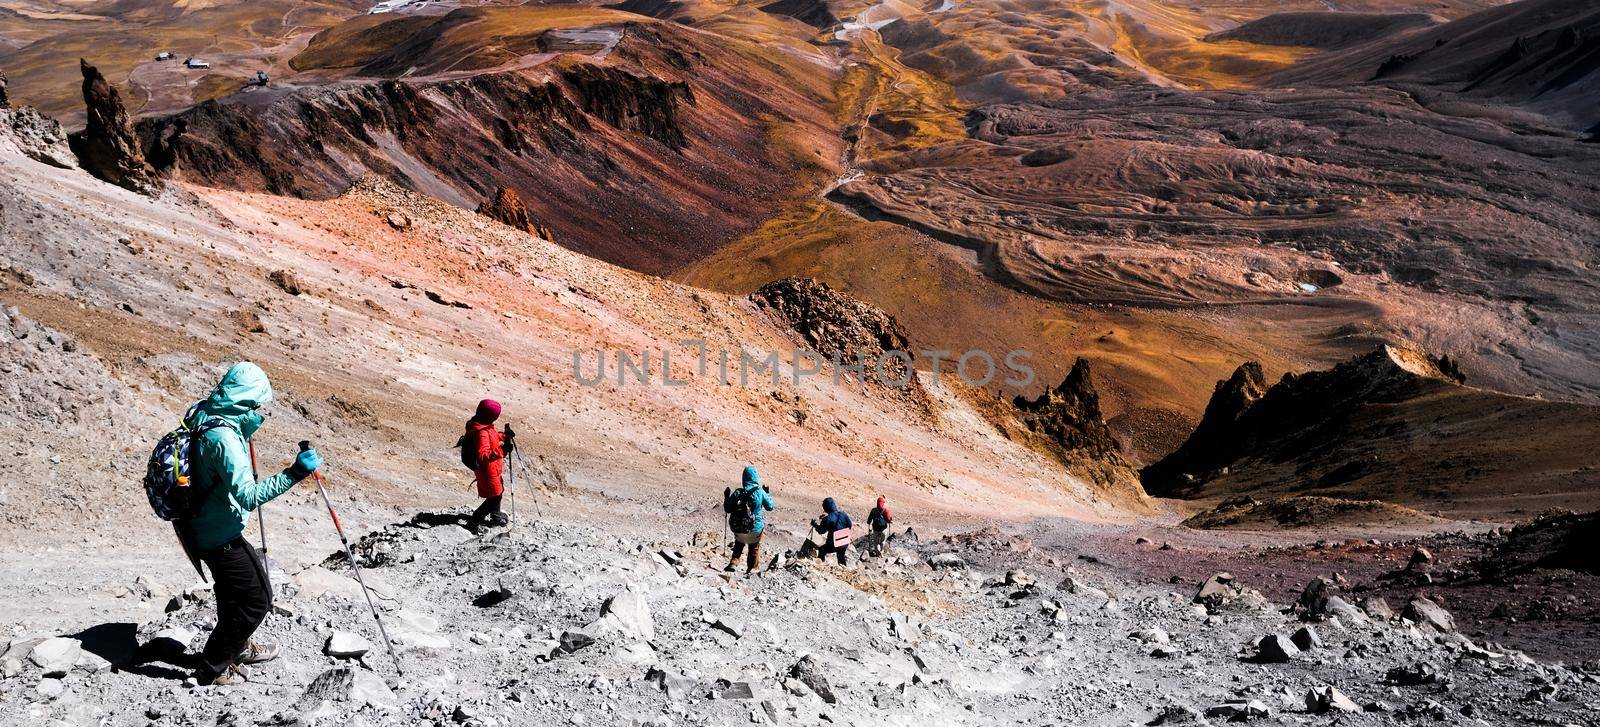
(222, 492)
(746, 508)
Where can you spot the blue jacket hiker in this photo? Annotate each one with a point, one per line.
(223, 469)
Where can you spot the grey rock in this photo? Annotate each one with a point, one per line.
(1378, 608)
(1239, 710)
(1151, 636)
(628, 614)
(737, 690)
(50, 688)
(345, 645)
(1079, 588)
(946, 561)
(346, 685)
(807, 672)
(572, 641)
(1306, 639)
(1424, 611)
(1328, 699)
(1414, 675)
(1275, 649)
(1179, 714)
(56, 656)
(1217, 590)
(677, 686)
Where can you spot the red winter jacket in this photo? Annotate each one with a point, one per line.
(486, 440)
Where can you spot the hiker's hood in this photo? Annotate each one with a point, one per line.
(880, 502)
(828, 506)
(488, 411)
(242, 391)
(752, 478)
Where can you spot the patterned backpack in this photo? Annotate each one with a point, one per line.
(166, 479)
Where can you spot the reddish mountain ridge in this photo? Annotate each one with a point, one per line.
(1543, 55)
(646, 158)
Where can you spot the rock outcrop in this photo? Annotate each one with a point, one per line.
(842, 328)
(1066, 422)
(1069, 415)
(5, 95)
(643, 104)
(107, 147)
(507, 208)
(1299, 414)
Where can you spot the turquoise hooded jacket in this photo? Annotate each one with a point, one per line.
(223, 466)
(751, 488)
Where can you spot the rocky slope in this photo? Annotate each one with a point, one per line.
(602, 622)
(1393, 425)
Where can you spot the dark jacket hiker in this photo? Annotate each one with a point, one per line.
(836, 525)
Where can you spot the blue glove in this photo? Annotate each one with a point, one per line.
(307, 462)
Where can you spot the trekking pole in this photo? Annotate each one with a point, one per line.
(322, 488)
(537, 511)
(511, 484)
(261, 519)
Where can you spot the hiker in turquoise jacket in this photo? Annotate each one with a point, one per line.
(222, 468)
(747, 509)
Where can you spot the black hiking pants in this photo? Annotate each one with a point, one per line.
(243, 599)
(489, 510)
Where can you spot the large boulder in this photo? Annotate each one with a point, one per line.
(1218, 590)
(1275, 649)
(1422, 610)
(107, 147)
(627, 613)
(56, 656)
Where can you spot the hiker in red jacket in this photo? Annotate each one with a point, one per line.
(488, 448)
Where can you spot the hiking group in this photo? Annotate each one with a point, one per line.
(202, 477)
(830, 533)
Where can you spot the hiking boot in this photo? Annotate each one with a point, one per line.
(731, 568)
(231, 677)
(499, 520)
(255, 653)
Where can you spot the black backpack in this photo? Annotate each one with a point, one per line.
(741, 508)
(469, 452)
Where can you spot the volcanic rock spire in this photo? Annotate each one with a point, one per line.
(107, 146)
